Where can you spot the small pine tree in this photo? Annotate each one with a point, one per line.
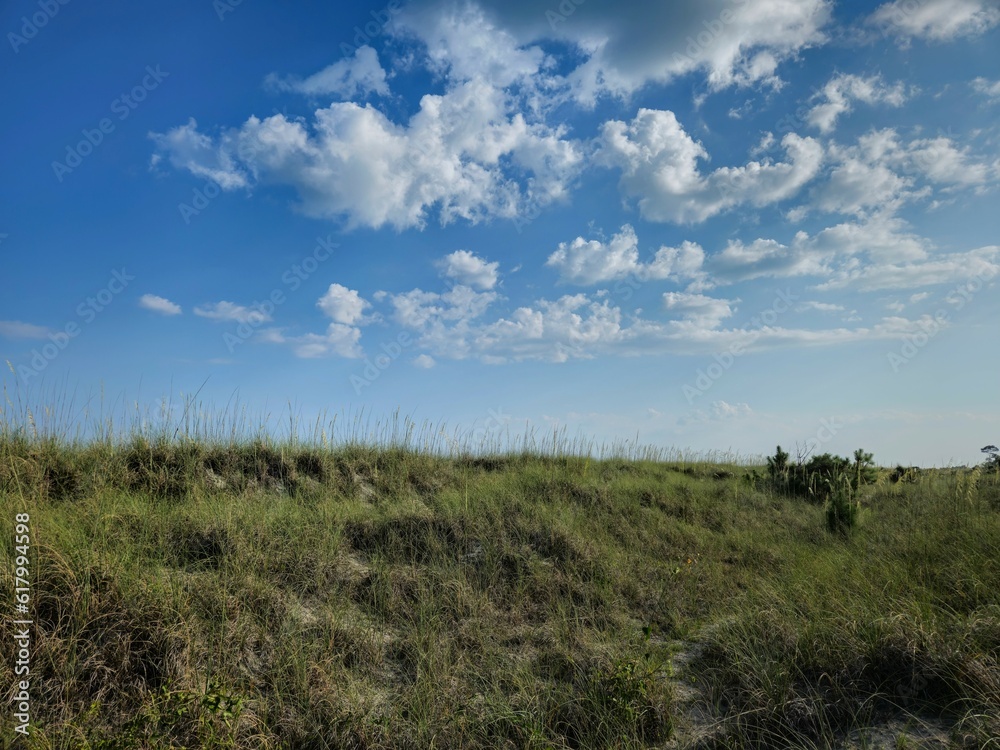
(777, 466)
(842, 509)
(864, 471)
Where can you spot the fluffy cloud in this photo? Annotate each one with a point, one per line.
(682, 263)
(342, 338)
(469, 269)
(460, 153)
(840, 249)
(587, 262)
(592, 261)
(353, 76)
(880, 173)
(659, 163)
(419, 309)
(940, 161)
(864, 177)
(840, 93)
(479, 150)
(343, 305)
(856, 186)
(568, 328)
(463, 43)
(877, 253)
(159, 304)
(938, 20)
(882, 237)
(625, 46)
(482, 148)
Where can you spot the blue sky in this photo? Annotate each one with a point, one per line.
(710, 225)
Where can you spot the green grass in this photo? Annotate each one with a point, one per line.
(238, 591)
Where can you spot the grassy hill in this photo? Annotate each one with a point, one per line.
(205, 593)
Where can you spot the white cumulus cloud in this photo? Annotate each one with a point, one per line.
(359, 75)
(592, 261)
(159, 304)
(343, 305)
(469, 269)
(466, 154)
(660, 166)
(586, 262)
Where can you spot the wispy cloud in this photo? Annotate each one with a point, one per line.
(839, 94)
(228, 311)
(937, 20)
(989, 89)
(15, 329)
(359, 75)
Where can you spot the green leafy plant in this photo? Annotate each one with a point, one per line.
(174, 714)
